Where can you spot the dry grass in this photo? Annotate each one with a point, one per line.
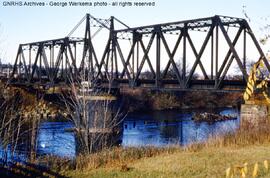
(210, 159)
(244, 136)
(119, 157)
(210, 162)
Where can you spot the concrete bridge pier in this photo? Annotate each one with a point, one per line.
(104, 128)
(254, 113)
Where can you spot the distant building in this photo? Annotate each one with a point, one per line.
(5, 69)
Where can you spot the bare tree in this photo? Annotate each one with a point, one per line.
(20, 116)
(95, 114)
(19, 120)
(171, 74)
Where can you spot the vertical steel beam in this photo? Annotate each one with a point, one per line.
(40, 62)
(116, 63)
(15, 66)
(157, 81)
(113, 37)
(30, 60)
(86, 49)
(137, 61)
(53, 57)
(245, 50)
(185, 32)
(212, 56)
(133, 60)
(107, 72)
(216, 52)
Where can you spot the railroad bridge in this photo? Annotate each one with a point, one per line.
(184, 55)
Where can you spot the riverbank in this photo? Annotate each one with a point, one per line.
(206, 162)
(145, 100)
(210, 159)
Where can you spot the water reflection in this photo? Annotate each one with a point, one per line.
(55, 139)
(143, 129)
(170, 127)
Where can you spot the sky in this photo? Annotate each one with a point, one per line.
(27, 24)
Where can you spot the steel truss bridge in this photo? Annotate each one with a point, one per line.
(134, 56)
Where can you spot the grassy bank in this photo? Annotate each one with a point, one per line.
(207, 162)
(211, 159)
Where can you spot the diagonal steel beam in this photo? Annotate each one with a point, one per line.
(123, 60)
(46, 64)
(146, 51)
(35, 63)
(102, 62)
(145, 56)
(236, 56)
(257, 45)
(25, 65)
(171, 57)
(127, 61)
(226, 60)
(173, 54)
(197, 61)
(94, 54)
(15, 66)
(72, 59)
(58, 61)
(197, 56)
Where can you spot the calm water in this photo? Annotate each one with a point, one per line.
(55, 139)
(158, 128)
(169, 127)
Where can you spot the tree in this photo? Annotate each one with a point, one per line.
(171, 74)
(20, 116)
(95, 114)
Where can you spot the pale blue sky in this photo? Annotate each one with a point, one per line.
(27, 24)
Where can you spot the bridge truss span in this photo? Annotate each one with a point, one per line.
(191, 54)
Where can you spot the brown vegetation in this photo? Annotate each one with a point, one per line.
(120, 158)
(20, 116)
(142, 99)
(244, 136)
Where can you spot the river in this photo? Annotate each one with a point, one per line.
(158, 128)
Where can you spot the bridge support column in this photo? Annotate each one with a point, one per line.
(103, 127)
(253, 114)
